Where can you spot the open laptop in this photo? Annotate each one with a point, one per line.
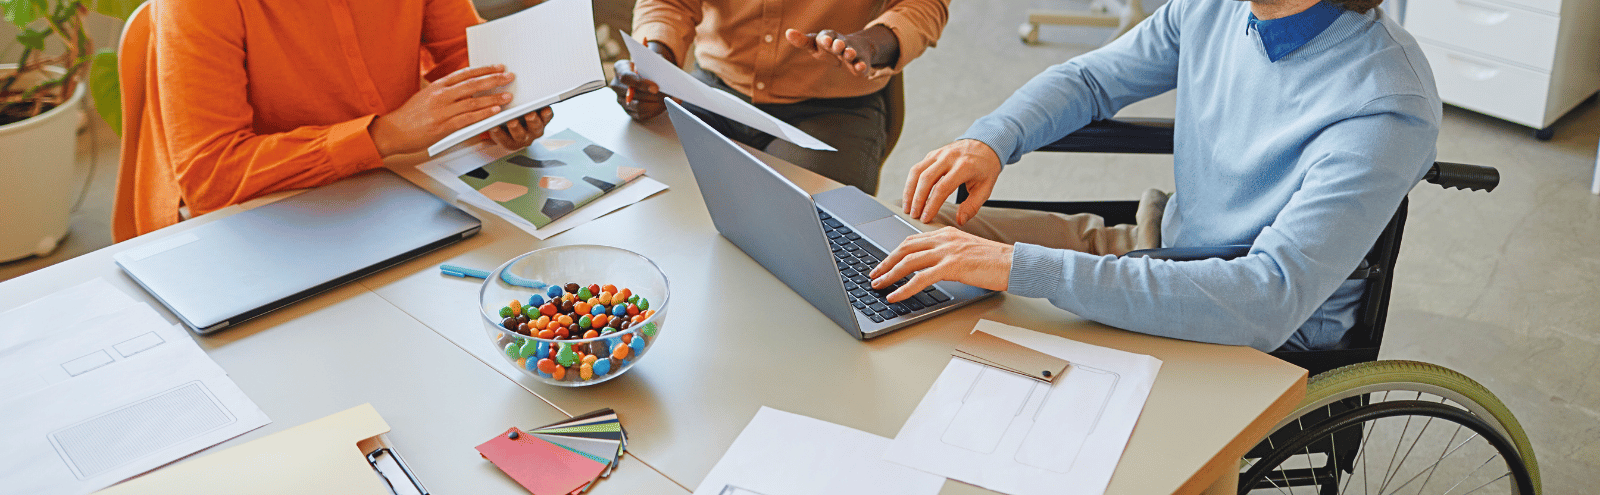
(240, 267)
(822, 246)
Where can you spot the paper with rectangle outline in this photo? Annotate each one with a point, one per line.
(673, 81)
(918, 445)
(28, 461)
(552, 50)
(1065, 419)
(992, 402)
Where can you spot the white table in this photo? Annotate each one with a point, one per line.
(735, 339)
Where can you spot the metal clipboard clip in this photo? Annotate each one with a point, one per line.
(391, 467)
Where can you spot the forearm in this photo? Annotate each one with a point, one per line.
(231, 168)
(915, 26)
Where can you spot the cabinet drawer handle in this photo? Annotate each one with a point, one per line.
(1472, 69)
(1481, 13)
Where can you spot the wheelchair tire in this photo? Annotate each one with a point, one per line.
(1260, 474)
(1395, 379)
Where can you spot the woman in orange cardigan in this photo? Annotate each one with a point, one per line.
(249, 97)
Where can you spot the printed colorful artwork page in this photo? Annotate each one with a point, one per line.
(555, 176)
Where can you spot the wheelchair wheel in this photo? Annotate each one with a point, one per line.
(1394, 426)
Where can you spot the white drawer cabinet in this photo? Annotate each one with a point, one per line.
(1526, 61)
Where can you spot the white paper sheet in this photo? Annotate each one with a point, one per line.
(447, 170)
(1016, 435)
(675, 82)
(552, 50)
(99, 388)
(781, 453)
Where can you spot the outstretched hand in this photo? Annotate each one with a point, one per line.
(870, 53)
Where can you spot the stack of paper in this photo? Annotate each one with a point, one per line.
(781, 453)
(96, 387)
(560, 182)
(566, 457)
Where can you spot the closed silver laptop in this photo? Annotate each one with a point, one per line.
(236, 268)
(821, 246)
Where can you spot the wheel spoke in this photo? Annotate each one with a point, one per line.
(1408, 451)
(1431, 468)
(1480, 487)
(1474, 470)
(1389, 471)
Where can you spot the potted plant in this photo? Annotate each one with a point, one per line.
(41, 95)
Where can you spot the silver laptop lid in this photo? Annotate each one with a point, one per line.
(235, 268)
(768, 217)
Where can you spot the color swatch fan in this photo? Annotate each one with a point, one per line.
(562, 458)
(553, 177)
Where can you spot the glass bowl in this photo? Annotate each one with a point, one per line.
(570, 358)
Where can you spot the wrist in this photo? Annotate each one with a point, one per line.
(382, 134)
(883, 43)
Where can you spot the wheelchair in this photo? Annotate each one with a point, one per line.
(1365, 425)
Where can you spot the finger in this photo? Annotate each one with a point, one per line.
(912, 244)
(941, 190)
(462, 120)
(799, 40)
(977, 194)
(920, 281)
(838, 47)
(910, 263)
(469, 73)
(478, 102)
(518, 132)
(911, 182)
(861, 68)
(925, 182)
(502, 138)
(849, 55)
(467, 88)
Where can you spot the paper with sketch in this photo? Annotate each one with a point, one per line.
(552, 50)
(448, 169)
(781, 453)
(1016, 435)
(675, 82)
(96, 388)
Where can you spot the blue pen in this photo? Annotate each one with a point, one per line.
(464, 272)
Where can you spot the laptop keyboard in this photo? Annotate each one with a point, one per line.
(856, 260)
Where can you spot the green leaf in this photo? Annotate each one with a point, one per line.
(120, 9)
(20, 12)
(105, 88)
(33, 38)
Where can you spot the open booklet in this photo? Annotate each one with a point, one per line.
(551, 49)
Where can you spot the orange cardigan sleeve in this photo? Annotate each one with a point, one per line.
(444, 35)
(916, 23)
(216, 156)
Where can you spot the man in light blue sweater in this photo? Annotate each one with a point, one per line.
(1300, 126)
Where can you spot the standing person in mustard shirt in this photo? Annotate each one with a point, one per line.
(790, 59)
(249, 97)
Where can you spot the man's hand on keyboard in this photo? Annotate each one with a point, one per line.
(944, 254)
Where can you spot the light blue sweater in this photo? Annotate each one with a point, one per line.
(1305, 159)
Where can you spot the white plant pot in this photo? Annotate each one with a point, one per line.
(38, 159)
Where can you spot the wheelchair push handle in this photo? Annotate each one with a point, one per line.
(1463, 176)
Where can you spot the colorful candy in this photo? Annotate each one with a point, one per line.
(600, 314)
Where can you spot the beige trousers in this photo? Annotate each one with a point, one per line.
(1081, 232)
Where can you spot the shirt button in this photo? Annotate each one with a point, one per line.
(761, 85)
(769, 38)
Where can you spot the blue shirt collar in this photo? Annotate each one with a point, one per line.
(1283, 35)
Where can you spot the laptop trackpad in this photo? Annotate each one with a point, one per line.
(887, 232)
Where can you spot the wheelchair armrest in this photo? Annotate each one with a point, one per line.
(1463, 176)
(1192, 253)
(1131, 135)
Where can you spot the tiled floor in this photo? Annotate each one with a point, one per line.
(1499, 286)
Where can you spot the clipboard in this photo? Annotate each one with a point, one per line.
(346, 452)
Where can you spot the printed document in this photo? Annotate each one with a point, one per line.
(675, 82)
(1013, 434)
(96, 388)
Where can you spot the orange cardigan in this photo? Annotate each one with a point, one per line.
(247, 97)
